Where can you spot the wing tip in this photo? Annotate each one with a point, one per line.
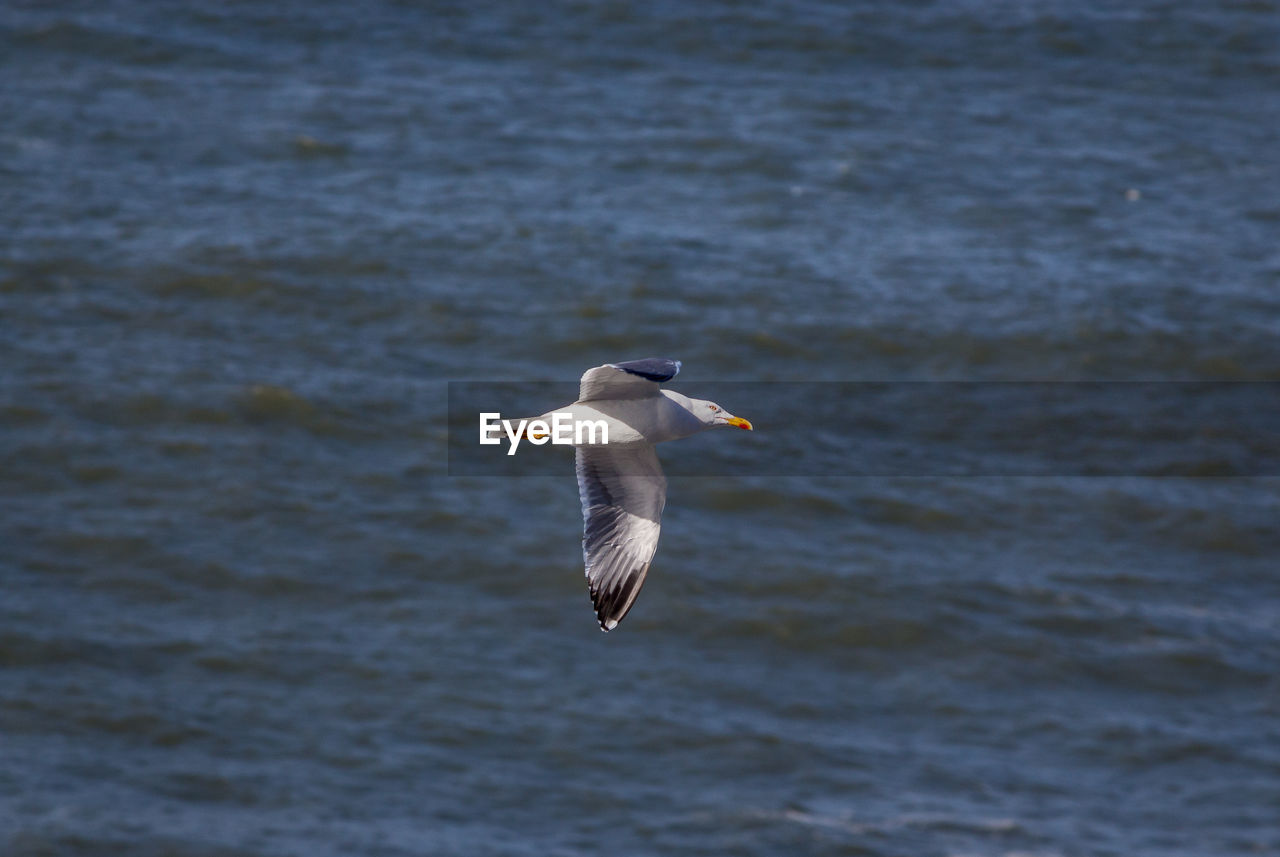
(656, 369)
(607, 612)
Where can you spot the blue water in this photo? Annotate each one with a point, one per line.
(245, 609)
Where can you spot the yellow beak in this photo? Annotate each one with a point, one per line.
(740, 423)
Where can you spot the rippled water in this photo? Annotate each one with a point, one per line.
(247, 611)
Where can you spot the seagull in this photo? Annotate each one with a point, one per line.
(620, 482)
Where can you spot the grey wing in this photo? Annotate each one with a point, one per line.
(632, 379)
(623, 492)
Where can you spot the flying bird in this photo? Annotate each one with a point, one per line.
(620, 482)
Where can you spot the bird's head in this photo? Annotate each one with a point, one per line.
(713, 415)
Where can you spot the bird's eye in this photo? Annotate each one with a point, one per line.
(714, 408)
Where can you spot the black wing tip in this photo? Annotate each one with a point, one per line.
(607, 621)
(657, 369)
(606, 605)
(606, 611)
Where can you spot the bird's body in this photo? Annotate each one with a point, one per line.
(646, 421)
(620, 481)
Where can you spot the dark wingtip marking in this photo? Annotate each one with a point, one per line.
(657, 369)
(606, 606)
(601, 610)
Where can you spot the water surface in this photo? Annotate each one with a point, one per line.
(247, 611)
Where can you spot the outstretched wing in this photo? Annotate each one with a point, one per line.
(623, 492)
(633, 379)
